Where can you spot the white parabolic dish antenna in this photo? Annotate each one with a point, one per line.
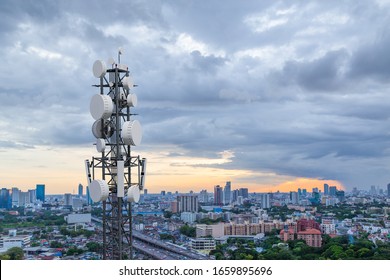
(133, 194)
(97, 131)
(101, 106)
(100, 145)
(127, 83)
(132, 100)
(132, 133)
(98, 190)
(99, 68)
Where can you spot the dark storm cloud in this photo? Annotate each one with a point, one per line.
(372, 60)
(321, 74)
(292, 88)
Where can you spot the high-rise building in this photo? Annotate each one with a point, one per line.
(340, 195)
(234, 195)
(227, 193)
(332, 190)
(68, 199)
(314, 190)
(304, 224)
(243, 192)
(265, 201)
(294, 198)
(373, 191)
(304, 192)
(388, 190)
(187, 203)
(218, 195)
(24, 198)
(5, 199)
(174, 206)
(326, 189)
(32, 196)
(40, 192)
(163, 193)
(80, 190)
(15, 197)
(203, 196)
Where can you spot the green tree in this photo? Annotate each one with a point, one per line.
(4, 257)
(35, 244)
(56, 244)
(74, 251)
(15, 253)
(93, 246)
(333, 252)
(168, 214)
(364, 253)
(188, 231)
(166, 236)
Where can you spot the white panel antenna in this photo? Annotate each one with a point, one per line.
(120, 178)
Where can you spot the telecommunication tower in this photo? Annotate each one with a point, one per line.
(115, 177)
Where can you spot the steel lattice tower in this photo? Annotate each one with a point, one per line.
(117, 176)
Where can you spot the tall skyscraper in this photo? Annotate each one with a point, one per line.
(373, 191)
(227, 193)
(388, 190)
(218, 195)
(40, 191)
(203, 196)
(68, 199)
(332, 190)
(265, 201)
(15, 197)
(24, 198)
(5, 199)
(32, 196)
(243, 192)
(235, 195)
(326, 189)
(294, 198)
(187, 203)
(340, 195)
(80, 190)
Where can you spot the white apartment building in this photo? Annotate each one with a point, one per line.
(202, 244)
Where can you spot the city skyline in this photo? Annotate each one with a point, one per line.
(225, 194)
(267, 95)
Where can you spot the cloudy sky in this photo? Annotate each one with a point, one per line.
(266, 94)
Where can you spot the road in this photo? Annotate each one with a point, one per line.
(160, 250)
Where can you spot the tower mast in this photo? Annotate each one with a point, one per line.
(117, 175)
